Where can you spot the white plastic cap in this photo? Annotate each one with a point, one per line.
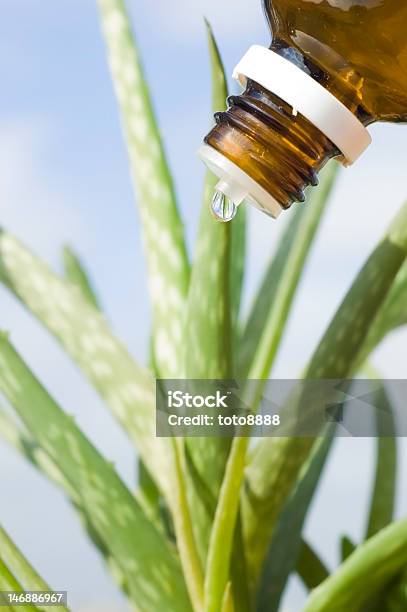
(306, 96)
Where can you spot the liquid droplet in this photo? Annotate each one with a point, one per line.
(223, 209)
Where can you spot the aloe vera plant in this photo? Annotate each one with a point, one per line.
(216, 524)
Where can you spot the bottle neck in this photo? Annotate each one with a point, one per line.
(281, 151)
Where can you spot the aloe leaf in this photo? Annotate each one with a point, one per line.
(227, 602)
(20, 567)
(8, 582)
(135, 544)
(186, 542)
(19, 438)
(286, 542)
(309, 567)
(271, 308)
(238, 572)
(382, 501)
(392, 314)
(208, 330)
(162, 228)
(208, 321)
(83, 332)
(277, 462)
(148, 491)
(347, 547)
(127, 388)
(364, 574)
(237, 267)
(76, 273)
(225, 557)
(395, 599)
(222, 534)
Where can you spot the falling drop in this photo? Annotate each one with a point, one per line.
(223, 209)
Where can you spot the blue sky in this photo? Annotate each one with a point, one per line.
(64, 179)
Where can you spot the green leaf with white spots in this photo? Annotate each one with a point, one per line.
(382, 503)
(358, 582)
(20, 567)
(266, 322)
(275, 465)
(221, 544)
(209, 330)
(149, 565)
(76, 273)
(84, 334)
(168, 267)
(237, 268)
(148, 491)
(20, 439)
(128, 389)
(286, 543)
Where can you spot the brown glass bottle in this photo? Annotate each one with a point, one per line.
(355, 49)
